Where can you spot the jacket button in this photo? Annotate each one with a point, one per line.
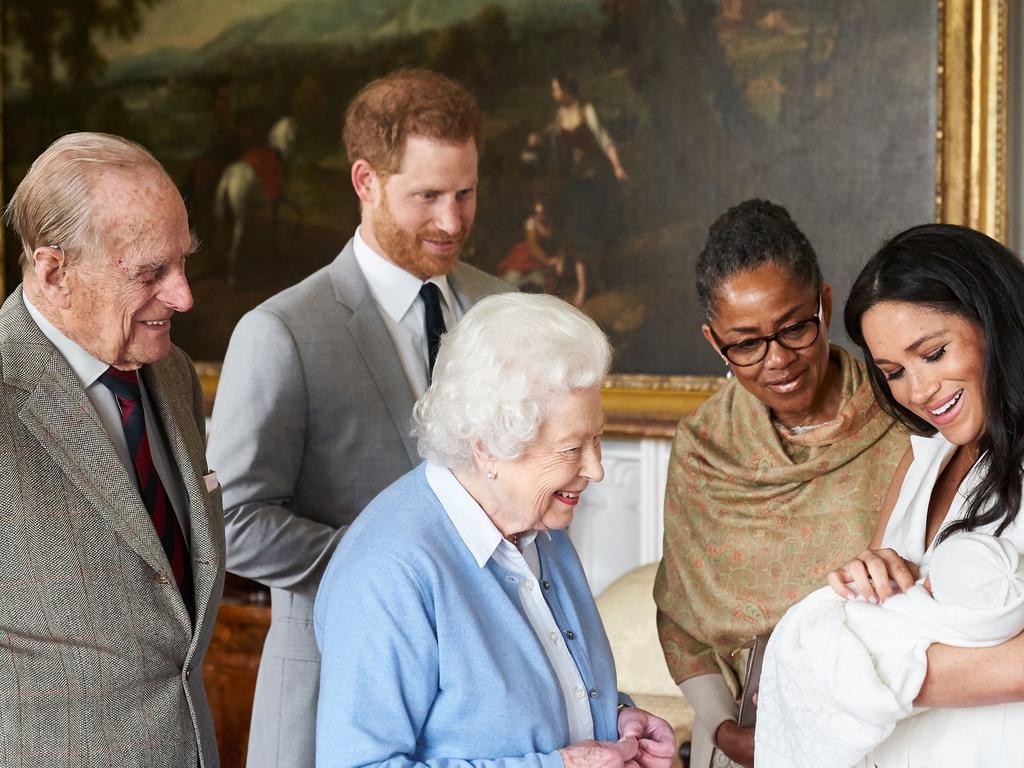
(546, 584)
(161, 579)
(593, 693)
(570, 634)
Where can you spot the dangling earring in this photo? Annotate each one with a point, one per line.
(728, 370)
(489, 475)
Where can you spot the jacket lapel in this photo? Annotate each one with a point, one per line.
(170, 395)
(468, 287)
(59, 414)
(375, 344)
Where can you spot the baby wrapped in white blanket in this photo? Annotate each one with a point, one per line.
(838, 676)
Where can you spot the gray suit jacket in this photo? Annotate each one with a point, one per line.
(100, 663)
(311, 422)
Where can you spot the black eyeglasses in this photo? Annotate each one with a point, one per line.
(798, 335)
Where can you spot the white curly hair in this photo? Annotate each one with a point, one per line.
(498, 373)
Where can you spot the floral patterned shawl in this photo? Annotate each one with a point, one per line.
(752, 526)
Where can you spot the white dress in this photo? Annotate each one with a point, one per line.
(985, 737)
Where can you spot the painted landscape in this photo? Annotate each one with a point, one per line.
(824, 106)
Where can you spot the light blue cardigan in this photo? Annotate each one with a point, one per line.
(428, 658)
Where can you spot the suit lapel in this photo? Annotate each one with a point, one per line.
(60, 416)
(178, 421)
(375, 344)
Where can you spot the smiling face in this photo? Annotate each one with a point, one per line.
(934, 363)
(793, 383)
(121, 298)
(540, 489)
(420, 217)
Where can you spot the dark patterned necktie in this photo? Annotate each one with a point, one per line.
(434, 323)
(125, 386)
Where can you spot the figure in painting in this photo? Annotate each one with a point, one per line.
(538, 263)
(257, 177)
(586, 169)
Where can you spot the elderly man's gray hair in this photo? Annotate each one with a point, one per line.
(53, 204)
(498, 373)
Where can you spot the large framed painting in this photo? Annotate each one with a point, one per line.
(616, 132)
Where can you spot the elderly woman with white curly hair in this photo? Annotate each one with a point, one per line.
(454, 620)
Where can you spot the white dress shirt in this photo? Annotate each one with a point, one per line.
(88, 371)
(397, 294)
(485, 542)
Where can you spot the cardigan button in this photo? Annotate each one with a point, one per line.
(546, 584)
(569, 634)
(593, 693)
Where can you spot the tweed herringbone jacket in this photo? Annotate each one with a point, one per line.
(100, 664)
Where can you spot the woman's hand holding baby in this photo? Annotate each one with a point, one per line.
(878, 574)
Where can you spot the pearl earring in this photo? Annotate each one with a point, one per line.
(490, 475)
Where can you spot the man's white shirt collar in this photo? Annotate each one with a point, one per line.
(475, 528)
(86, 367)
(392, 287)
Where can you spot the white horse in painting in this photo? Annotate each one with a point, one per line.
(257, 178)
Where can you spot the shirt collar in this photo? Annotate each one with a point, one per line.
(392, 287)
(474, 526)
(86, 367)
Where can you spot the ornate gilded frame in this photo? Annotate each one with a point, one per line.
(970, 189)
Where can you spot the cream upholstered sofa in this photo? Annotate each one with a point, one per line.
(628, 612)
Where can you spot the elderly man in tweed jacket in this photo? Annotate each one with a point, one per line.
(111, 535)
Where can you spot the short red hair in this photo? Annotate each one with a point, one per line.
(407, 102)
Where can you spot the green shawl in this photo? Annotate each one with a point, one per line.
(750, 528)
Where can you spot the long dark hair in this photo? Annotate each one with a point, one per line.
(958, 271)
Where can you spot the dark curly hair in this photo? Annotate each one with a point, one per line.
(747, 236)
(958, 271)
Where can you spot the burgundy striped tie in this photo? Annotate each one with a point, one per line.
(125, 386)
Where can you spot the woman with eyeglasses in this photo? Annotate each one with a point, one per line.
(775, 480)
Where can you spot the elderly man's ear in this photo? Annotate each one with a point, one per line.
(48, 265)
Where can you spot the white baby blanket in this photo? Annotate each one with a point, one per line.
(838, 676)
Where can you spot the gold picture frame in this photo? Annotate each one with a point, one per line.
(970, 189)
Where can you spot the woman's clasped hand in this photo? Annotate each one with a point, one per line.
(645, 741)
